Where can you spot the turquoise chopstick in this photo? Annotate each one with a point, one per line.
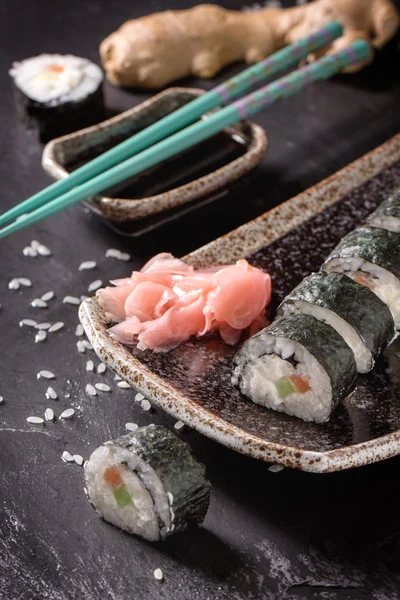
(182, 117)
(197, 132)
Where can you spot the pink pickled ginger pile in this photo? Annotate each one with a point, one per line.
(168, 301)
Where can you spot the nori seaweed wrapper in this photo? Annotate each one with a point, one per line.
(354, 303)
(388, 208)
(377, 246)
(181, 474)
(54, 121)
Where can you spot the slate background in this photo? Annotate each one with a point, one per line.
(289, 535)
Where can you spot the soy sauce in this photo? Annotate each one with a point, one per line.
(198, 161)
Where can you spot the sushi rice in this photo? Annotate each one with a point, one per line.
(53, 79)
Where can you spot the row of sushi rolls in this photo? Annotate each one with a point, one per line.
(331, 327)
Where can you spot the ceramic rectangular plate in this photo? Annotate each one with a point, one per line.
(193, 382)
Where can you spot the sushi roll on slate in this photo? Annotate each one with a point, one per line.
(387, 215)
(371, 257)
(298, 365)
(356, 313)
(58, 94)
(147, 483)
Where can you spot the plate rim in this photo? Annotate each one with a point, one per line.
(242, 241)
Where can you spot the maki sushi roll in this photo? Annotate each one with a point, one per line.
(354, 311)
(371, 256)
(147, 483)
(298, 365)
(58, 94)
(387, 215)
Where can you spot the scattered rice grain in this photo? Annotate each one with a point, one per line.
(35, 420)
(101, 368)
(91, 390)
(38, 303)
(81, 347)
(25, 281)
(275, 468)
(14, 284)
(67, 414)
(51, 394)
(145, 404)
(89, 366)
(179, 425)
(102, 387)
(49, 414)
(170, 498)
(43, 326)
(117, 254)
(87, 345)
(45, 375)
(1, 400)
(123, 384)
(43, 250)
(79, 330)
(117, 378)
(27, 323)
(28, 251)
(131, 426)
(95, 285)
(35, 245)
(56, 327)
(78, 459)
(71, 300)
(87, 264)
(139, 397)
(48, 296)
(67, 457)
(158, 574)
(40, 336)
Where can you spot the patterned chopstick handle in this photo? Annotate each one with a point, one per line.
(296, 81)
(279, 61)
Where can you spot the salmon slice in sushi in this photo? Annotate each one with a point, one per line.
(387, 215)
(298, 365)
(354, 311)
(147, 483)
(371, 256)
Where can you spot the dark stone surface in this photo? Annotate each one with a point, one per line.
(286, 535)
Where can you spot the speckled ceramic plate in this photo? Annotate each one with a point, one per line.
(193, 381)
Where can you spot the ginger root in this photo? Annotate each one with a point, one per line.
(155, 50)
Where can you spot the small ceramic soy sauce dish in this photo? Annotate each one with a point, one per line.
(179, 182)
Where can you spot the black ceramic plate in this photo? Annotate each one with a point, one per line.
(193, 382)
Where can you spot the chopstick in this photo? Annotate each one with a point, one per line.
(193, 134)
(180, 118)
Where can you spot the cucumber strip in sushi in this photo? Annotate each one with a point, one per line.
(147, 483)
(371, 257)
(298, 365)
(356, 313)
(387, 215)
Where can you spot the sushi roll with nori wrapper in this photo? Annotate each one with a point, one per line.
(58, 94)
(147, 483)
(371, 257)
(298, 365)
(387, 215)
(356, 313)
